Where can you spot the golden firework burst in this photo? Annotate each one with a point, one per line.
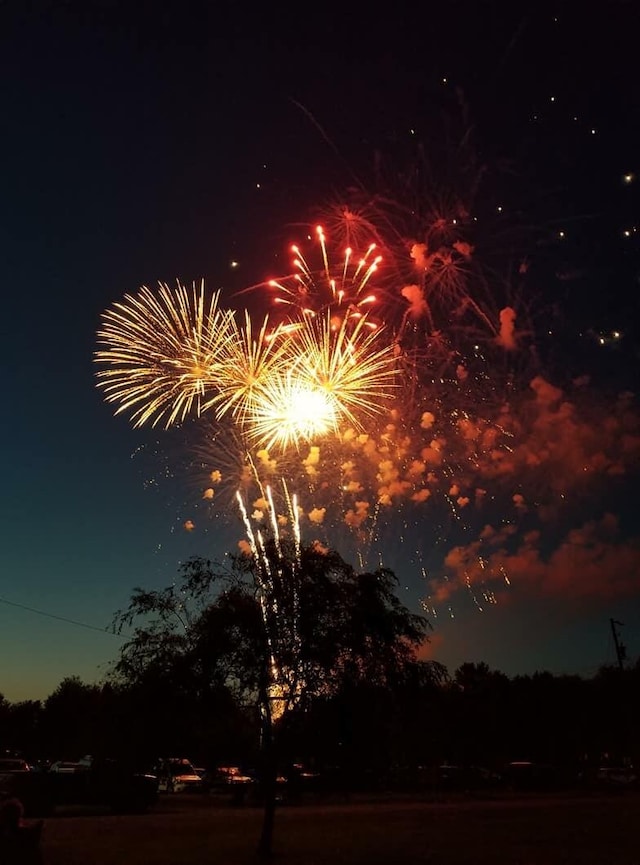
(248, 359)
(353, 366)
(160, 352)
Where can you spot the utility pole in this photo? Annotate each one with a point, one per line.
(621, 649)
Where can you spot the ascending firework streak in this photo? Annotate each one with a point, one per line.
(286, 681)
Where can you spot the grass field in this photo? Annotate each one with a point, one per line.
(535, 831)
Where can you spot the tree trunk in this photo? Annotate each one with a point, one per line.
(269, 774)
(265, 845)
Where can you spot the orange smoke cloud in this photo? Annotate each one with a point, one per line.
(355, 517)
(317, 515)
(429, 647)
(415, 296)
(591, 562)
(507, 336)
(561, 442)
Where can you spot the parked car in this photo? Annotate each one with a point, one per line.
(14, 764)
(64, 767)
(617, 777)
(93, 782)
(230, 776)
(103, 781)
(177, 775)
(233, 782)
(18, 781)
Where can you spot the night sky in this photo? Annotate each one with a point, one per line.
(148, 141)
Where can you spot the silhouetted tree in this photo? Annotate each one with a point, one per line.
(479, 706)
(277, 630)
(72, 719)
(22, 728)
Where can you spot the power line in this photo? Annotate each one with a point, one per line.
(60, 618)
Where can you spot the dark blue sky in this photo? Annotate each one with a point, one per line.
(143, 144)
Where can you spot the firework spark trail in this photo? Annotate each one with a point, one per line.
(274, 523)
(282, 633)
(264, 593)
(294, 516)
(292, 673)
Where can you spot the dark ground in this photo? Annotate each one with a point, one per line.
(581, 830)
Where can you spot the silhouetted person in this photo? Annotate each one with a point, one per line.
(19, 842)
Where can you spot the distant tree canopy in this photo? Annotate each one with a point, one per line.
(476, 716)
(200, 656)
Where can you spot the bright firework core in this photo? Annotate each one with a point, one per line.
(288, 410)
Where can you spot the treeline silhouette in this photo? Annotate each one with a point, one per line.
(476, 716)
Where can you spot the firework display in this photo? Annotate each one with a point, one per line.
(399, 432)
